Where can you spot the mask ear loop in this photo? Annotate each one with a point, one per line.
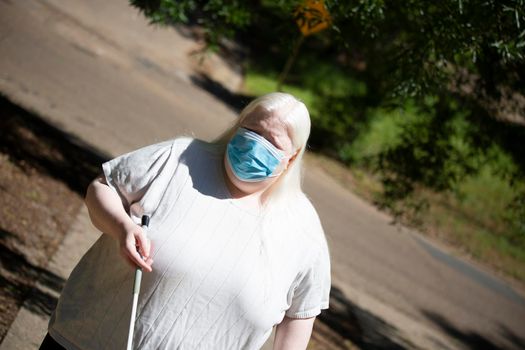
(293, 155)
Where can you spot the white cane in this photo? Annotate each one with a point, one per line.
(136, 290)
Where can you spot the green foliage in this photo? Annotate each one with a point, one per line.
(218, 18)
(413, 45)
(431, 152)
(383, 131)
(418, 45)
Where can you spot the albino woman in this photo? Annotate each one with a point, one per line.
(234, 247)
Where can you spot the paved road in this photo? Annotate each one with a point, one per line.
(97, 71)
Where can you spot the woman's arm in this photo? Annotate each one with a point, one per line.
(293, 333)
(108, 214)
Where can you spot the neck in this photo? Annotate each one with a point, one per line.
(256, 198)
(237, 193)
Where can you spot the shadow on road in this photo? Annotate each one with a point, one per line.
(234, 101)
(30, 140)
(513, 338)
(20, 271)
(348, 323)
(473, 340)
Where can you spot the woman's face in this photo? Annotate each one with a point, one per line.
(275, 130)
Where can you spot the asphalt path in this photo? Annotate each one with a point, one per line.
(96, 70)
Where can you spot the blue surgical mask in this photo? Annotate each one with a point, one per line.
(251, 157)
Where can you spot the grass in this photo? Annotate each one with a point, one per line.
(472, 224)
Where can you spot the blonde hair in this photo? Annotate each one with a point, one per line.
(295, 115)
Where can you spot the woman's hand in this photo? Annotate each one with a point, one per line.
(108, 214)
(135, 247)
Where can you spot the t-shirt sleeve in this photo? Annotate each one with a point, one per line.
(311, 293)
(142, 171)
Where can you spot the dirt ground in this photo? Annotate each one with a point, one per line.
(40, 194)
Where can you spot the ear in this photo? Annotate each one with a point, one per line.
(292, 158)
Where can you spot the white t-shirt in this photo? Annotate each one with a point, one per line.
(223, 274)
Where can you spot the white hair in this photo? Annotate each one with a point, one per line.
(295, 115)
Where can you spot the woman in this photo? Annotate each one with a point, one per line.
(238, 248)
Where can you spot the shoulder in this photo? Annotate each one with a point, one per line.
(181, 143)
(162, 147)
(179, 148)
(191, 146)
(309, 236)
(162, 153)
(312, 229)
(307, 224)
(308, 217)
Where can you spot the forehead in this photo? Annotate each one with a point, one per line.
(270, 125)
(264, 119)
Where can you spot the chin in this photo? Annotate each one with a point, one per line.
(248, 187)
(251, 187)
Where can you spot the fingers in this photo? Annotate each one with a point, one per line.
(143, 243)
(149, 262)
(134, 255)
(134, 242)
(131, 262)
